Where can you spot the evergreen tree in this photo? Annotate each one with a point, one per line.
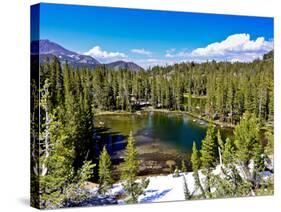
(129, 172)
(58, 181)
(248, 148)
(246, 136)
(183, 166)
(195, 158)
(105, 175)
(208, 150)
(69, 97)
(195, 162)
(208, 155)
(259, 165)
(228, 152)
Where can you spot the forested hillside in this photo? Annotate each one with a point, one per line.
(218, 90)
(62, 149)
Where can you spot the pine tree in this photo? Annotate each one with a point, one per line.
(70, 96)
(58, 181)
(228, 152)
(195, 162)
(248, 147)
(208, 156)
(105, 175)
(259, 165)
(195, 158)
(183, 166)
(246, 136)
(34, 144)
(208, 150)
(129, 173)
(271, 100)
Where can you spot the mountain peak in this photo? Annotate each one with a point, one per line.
(120, 64)
(46, 48)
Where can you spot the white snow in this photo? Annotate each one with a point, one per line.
(165, 188)
(160, 188)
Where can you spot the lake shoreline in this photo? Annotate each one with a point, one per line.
(154, 155)
(195, 116)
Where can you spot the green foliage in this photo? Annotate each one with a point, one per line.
(66, 130)
(183, 166)
(270, 143)
(216, 90)
(59, 183)
(224, 90)
(259, 165)
(228, 152)
(246, 136)
(105, 175)
(131, 164)
(195, 158)
(195, 162)
(209, 149)
(129, 172)
(246, 149)
(134, 189)
(230, 184)
(266, 188)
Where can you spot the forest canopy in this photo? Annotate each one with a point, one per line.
(218, 90)
(70, 98)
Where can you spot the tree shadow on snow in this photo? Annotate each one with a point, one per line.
(154, 196)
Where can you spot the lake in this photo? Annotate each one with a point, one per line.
(159, 137)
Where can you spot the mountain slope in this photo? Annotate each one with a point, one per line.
(124, 65)
(269, 55)
(46, 48)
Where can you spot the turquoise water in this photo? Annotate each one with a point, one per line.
(159, 137)
(168, 131)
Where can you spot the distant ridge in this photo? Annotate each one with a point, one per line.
(124, 65)
(48, 49)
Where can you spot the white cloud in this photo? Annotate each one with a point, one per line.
(105, 56)
(173, 54)
(237, 45)
(169, 55)
(146, 63)
(141, 51)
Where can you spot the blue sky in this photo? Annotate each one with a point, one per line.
(150, 37)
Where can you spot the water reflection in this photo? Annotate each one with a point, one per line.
(159, 137)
